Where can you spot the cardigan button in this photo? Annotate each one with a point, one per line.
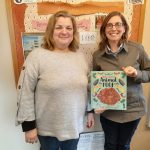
(23, 67)
(19, 87)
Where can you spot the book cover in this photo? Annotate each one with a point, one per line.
(109, 90)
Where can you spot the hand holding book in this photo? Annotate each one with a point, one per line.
(130, 71)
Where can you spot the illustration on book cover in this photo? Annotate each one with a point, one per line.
(108, 90)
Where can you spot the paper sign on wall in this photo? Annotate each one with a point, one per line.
(87, 37)
(24, 1)
(91, 141)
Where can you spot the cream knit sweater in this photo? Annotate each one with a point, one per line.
(54, 92)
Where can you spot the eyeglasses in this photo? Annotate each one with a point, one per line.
(117, 25)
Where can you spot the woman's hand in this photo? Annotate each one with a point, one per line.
(130, 71)
(90, 120)
(31, 136)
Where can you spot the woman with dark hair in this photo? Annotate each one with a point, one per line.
(116, 53)
(52, 89)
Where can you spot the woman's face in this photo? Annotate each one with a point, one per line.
(114, 29)
(63, 33)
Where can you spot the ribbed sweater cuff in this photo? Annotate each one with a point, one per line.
(28, 125)
(91, 111)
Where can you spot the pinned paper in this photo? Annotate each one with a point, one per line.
(87, 37)
(24, 1)
(135, 2)
(39, 25)
(84, 24)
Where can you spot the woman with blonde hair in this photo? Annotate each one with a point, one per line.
(52, 89)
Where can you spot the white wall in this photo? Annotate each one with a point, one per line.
(11, 137)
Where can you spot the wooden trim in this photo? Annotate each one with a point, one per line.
(142, 18)
(83, 8)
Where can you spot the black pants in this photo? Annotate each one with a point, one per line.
(118, 135)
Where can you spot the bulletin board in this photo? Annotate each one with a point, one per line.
(31, 18)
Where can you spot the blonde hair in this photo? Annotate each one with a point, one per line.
(48, 42)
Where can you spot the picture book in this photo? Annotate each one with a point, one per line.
(108, 90)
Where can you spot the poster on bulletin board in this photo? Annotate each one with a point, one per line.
(31, 41)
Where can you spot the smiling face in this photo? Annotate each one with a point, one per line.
(63, 33)
(114, 29)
